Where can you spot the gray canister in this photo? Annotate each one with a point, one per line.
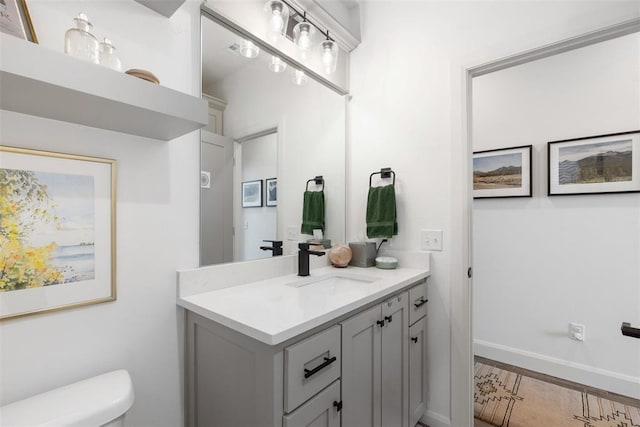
(363, 254)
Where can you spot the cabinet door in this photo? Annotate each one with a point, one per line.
(361, 370)
(417, 371)
(321, 411)
(395, 361)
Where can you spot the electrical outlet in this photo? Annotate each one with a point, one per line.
(577, 331)
(431, 240)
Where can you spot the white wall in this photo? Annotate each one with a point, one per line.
(407, 113)
(157, 231)
(311, 139)
(259, 161)
(546, 261)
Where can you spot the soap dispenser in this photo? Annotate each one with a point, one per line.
(79, 41)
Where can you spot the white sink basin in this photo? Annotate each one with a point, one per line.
(333, 280)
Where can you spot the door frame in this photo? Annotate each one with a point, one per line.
(461, 289)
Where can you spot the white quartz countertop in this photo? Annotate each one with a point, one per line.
(275, 310)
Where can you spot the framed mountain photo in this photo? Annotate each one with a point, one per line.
(595, 164)
(503, 172)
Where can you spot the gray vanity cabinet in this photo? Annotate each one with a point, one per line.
(359, 369)
(375, 366)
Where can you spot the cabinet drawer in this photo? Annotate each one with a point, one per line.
(310, 366)
(418, 302)
(322, 410)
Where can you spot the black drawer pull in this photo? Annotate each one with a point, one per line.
(338, 405)
(380, 322)
(628, 331)
(414, 339)
(327, 362)
(388, 318)
(421, 303)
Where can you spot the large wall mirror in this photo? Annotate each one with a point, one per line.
(271, 130)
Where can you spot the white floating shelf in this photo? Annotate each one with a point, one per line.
(45, 83)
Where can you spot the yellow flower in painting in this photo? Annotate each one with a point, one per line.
(23, 202)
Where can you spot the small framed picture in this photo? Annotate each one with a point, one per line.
(57, 239)
(252, 194)
(15, 20)
(272, 191)
(595, 164)
(504, 172)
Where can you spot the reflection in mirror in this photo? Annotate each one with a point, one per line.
(270, 130)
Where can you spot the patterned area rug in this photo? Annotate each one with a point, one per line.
(504, 398)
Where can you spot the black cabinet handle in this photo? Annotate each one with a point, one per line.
(327, 361)
(388, 318)
(380, 322)
(414, 339)
(338, 405)
(628, 331)
(421, 302)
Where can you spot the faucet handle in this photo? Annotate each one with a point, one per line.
(303, 246)
(275, 243)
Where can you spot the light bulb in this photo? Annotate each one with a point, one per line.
(276, 20)
(327, 58)
(304, 41)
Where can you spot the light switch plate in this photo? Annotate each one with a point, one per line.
(431, 240)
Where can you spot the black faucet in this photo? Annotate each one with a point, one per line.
(303, 258)
(276, 249)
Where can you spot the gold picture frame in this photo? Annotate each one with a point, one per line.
(16, 21)
(57, 232)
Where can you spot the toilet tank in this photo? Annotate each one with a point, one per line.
(92, 402)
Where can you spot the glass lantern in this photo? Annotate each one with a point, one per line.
(329, 56)
(299, 77)
(248, 49)
(303, 34)
(277, 65)
(79, 41)
(277, 19)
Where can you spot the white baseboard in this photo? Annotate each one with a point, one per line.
(433, 419)
(588, 375)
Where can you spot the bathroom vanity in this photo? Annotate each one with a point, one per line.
(342, 347)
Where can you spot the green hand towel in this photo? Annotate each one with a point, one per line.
(381, 212)
(312, 211)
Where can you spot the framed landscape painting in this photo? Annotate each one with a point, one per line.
(595, 164)
(503, 172)
(57, 231)
(252, 194)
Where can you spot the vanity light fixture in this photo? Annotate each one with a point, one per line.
(277, 65)
(248, 49)
(299, 77)
(277, 17)
(303, 34)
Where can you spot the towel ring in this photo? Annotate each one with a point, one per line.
(384, 174)
(318, 180)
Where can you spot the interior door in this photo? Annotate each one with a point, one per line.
(216, 199)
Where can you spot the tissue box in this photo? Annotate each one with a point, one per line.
(363, 254)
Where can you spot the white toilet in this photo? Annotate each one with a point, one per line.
(94, 402)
